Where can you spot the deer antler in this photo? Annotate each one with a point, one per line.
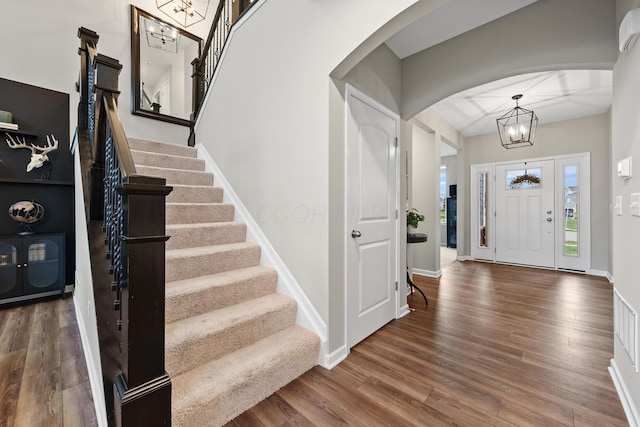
(23, 144)
(49, 147)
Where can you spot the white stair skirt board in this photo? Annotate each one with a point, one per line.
(95, 377)
(307, 315)
(630, 410)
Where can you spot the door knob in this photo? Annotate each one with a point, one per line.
(548, 212)
(549, 219)
(355, 233)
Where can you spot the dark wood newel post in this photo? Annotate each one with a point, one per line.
(88, 39)
(107, 71)
(143, 391)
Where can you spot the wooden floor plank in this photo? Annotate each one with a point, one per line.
(43, 374)
(497, 345)
(17, 327)
(11, 368)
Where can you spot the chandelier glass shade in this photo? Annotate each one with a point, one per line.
(184, 12)
(517, 127)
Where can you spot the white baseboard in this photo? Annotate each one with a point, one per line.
(464, 258)
(628, 405)
(427, 273)
(308, 316)
(609, 278)
(95, 377)
(333, 359)
(599, 273)
(404, 310)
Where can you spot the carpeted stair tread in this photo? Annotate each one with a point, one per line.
(196, 340)
(193, 262)
(162, 160)
(215, 393)
(191, 213)
(192, 297)
(177, 176)
(162, 147)
(204, 234)
(195, 194)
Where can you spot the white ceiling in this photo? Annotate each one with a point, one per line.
(554, 95)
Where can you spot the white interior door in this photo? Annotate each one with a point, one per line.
(525, 212)
(372, 206)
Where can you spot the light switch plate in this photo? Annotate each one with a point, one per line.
(634, 206)
(618, 206)
(624, 168)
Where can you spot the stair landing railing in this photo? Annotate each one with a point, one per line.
(227, 13)
(126, 228)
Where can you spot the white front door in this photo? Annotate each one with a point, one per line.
(525, 212)
(372, 208)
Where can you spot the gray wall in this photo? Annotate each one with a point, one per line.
(425, 196)
(588, 134)
(625, 142)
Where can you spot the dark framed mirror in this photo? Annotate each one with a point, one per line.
(161, 56)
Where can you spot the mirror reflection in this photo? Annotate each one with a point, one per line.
(161, 58)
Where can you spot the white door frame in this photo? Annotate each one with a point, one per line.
(350, 92)
(581, 263)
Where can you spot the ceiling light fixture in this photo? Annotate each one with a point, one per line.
(184, 12)
(517, 127)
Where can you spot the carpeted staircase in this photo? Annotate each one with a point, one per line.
(231, 340)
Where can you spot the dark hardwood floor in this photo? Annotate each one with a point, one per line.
(43, 375)
(497, 346)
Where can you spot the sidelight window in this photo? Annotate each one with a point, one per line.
(571, 203)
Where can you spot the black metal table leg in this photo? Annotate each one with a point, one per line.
(410, 282)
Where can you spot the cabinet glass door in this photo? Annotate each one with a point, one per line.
(43, 264)
(9, 270)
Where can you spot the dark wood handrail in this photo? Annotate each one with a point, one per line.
(127, 167)
(126, 229)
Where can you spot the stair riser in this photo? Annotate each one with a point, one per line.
(195, 194)
(192, 214)
(164, 148)
(166, 161)
(187, 355)
(175, 176)
(180, 268)
(201, 301)
(205, 236)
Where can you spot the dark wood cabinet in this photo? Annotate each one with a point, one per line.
(31, 266)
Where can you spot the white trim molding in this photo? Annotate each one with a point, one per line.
(427, 273)
(307, 316)
(630, 410)
(333, 359)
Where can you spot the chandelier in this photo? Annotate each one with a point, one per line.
(517, 127)
(184, 12)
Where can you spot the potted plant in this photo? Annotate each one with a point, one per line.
(414, 217)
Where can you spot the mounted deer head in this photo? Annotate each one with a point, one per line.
(37, 158)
